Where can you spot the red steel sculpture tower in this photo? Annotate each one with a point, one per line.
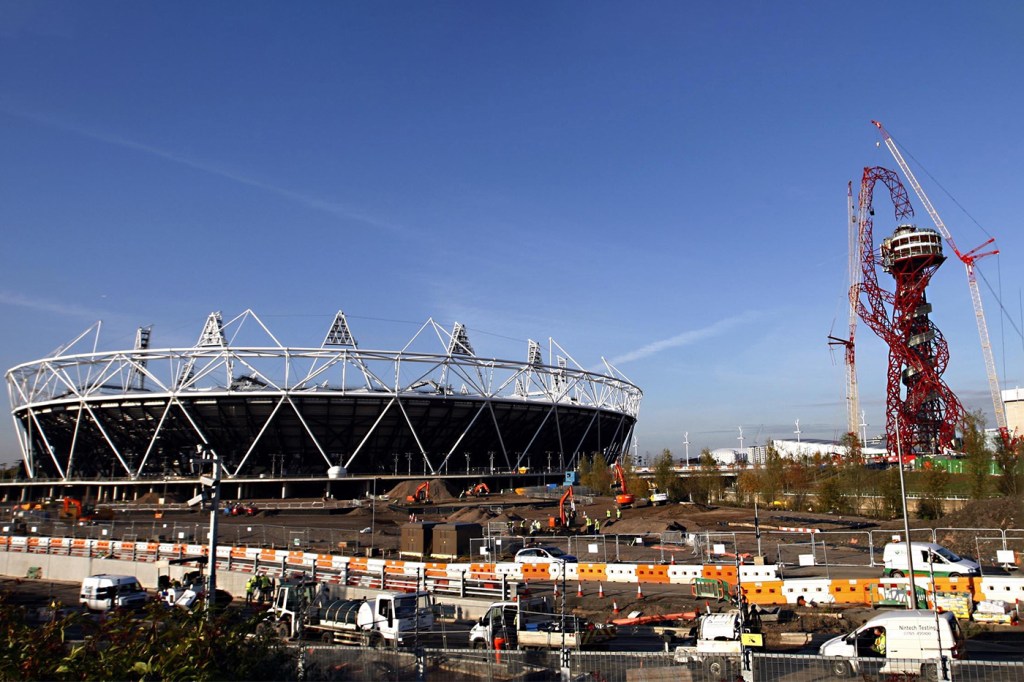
(922, 412)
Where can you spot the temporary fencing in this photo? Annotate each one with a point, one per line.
(464, 665)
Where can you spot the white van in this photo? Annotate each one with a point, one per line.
(913, 641)
(928, 557)
(106, 592)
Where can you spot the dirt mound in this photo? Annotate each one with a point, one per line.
(154, 498)
(471, 515)
(995, 513)
(440, 491)
(641, 526)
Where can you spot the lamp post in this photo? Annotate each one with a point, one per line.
(373, 516)
(912, 600)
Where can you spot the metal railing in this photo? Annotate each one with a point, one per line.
(458, 665)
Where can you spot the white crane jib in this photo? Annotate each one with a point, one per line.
(968, 259)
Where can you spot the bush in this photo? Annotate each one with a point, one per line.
(158, 644)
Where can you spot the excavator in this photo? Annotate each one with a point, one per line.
(624, 498)
(567, 517)
(479, 490)
(422, 494)
(73, 508)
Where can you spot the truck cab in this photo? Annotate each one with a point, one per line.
(503, 620)
(928, 557)
(106, 592)
(914, 640)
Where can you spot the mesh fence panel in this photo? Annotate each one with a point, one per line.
(469, 665)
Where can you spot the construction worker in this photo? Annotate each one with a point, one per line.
(607, 514)
(880, 641)
(618, 513)
(266, 588)
(597, 526)
(250, 588)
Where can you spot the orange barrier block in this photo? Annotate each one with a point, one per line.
(592, 572)
(961, 584)
(238, 552)
(481, 571)
(324, 561)
(652, 574)
(763, 592)
(536, 571)
(852, 591)
(718, 572)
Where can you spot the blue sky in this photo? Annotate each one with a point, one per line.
(659, 184)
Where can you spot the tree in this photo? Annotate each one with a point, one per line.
(797, 480)
(665, 477)
(977, 453)
(1008, 461)
(892, 496)
(595, 473)
(829, 498)
(771, 477)
(854, 474)
(935, 481)
(708, 483)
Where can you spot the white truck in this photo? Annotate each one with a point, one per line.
(913, 642)
(303, 608)
(106, 592)
(927, 557)
(721, 638)
(531, 624)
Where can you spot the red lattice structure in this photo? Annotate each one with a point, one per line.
(922, 412)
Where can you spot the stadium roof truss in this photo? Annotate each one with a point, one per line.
(84, 414)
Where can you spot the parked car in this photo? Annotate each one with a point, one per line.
(544, 555)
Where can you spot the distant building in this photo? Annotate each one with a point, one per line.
(808, 448)
(1013, 400)
(730, 456)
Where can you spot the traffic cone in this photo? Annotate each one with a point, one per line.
(673, 558)
(579, 589)
(639, 592)
(556, 591)
(600, 590)
(615, 607)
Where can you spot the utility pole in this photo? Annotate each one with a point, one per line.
(209, 495)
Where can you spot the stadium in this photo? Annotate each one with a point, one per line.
(267, 411)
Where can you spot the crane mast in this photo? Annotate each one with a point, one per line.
(968, 259)
(849, 356)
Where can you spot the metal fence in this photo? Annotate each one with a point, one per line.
(993, 547)
(464, 665)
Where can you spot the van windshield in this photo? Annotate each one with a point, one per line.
(946, 554)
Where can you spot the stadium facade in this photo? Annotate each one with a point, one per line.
(274, 411)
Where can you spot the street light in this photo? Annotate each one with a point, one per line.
(912, 600)
(373, 517)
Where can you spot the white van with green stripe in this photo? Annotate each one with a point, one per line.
(928, 558)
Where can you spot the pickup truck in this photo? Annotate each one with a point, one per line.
(721, 638)
(531, 624)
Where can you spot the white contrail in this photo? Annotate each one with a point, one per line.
(332, 208)
(684, 339)
(42, 305)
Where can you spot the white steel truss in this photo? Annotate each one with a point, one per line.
(118, 412)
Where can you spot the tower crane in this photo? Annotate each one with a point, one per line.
(852, 395)
(968, 259)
